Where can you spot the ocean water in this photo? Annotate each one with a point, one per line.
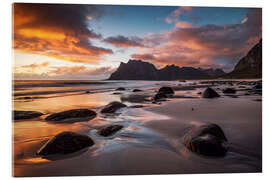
(50, 96)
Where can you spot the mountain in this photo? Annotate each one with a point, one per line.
(249, 66)
(135, 70)
(140, 70)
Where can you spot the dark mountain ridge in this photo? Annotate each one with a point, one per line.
(249, 66)
(140, 70)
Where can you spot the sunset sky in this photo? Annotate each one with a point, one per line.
(57, 41)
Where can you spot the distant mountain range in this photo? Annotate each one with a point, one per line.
(249, 66)
(140, 70)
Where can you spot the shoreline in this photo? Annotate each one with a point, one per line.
(151, 140)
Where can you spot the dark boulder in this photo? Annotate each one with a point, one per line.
(112, 107)
(65, 143)
(72, 115)
(207, 139)
(109, 130)
(166, 90)
(120, 89)
(258, 86)
(137, 90)
(17, 115)
(159, 96)
(229, 91)
(210, 93)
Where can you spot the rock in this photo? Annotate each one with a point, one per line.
(112, 107)
(166, 90)
(207, 139)
(27, 97)
(258, 86)
(65, 143)
(72, 115)
(229, 91)
(210, 93)
(136, 106)
(117, 93)
(120, 89)
(135, 98)
(159, 96)
(136, 90)
(17, 115)
(109, 130)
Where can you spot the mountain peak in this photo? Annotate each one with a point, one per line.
(250, 66)
(140, 70)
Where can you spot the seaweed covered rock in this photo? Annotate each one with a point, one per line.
(73, 115)
(65, 143)
(210, 93)
(207, 139)
(19, 115)
(112, 107)
(109, 130)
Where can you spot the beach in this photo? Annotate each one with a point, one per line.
(150, 141)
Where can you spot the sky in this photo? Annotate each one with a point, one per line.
(64, 41)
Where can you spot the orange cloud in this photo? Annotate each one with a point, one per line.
(36, 65)
(58, 31)
(62, 72)
(183, 24)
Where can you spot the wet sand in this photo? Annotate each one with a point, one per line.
(150, 142)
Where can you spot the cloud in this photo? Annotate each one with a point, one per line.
(206, 46)
(36, 65)
(57, 30)
(62, 72)
(183, 24)
(174, 16)
(122, 41)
